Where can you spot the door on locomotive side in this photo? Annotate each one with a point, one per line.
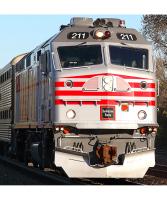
(45, 87)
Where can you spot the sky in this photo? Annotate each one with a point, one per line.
(22, 33)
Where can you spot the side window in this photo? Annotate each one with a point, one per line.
(3, 78)
(28, 60)
(38, 55)
(10, 73)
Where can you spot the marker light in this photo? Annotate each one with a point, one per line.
(66, 131)
(143, 131)
(143, 85)
(122, 23)
(69, 83)
(155, 129)
(107, 34)
(142, 115)
(71, 114)
(150, 129)
(125, 107)
(57, 128)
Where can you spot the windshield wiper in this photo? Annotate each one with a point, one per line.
(81, 43)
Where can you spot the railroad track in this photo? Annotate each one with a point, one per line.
(45, 177)
(51, 177)
(158, 171)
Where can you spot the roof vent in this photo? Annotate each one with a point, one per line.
(81, 21)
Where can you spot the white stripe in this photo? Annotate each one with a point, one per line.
(120, 98)
(86, 79)
(80, 89)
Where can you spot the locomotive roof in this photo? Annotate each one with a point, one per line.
(87, 25)
(63, 35)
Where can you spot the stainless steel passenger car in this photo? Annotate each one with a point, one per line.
(85, 101)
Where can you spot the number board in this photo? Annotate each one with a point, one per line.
(126, 36)
(78, 35)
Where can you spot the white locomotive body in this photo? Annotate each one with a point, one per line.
(85, 101)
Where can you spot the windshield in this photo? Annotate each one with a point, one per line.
(77, 56)
(130, 57)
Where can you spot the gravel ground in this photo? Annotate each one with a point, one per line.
(150, 180)
(13, 176)
(161, 158)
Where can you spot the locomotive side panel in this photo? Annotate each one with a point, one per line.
(26, 98)
(33, 91)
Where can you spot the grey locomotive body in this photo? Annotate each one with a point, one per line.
(85, 101)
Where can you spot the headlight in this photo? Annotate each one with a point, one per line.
(98, 34)
(71, 114)
(142, 115)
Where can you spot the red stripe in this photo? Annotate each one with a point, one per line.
(80, 84)
(59, 84)
(83, 93)
(75, 84)
(137, 85)
(106, 74)
(102, 102)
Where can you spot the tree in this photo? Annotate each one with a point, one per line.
(162, 99)
(155, 29)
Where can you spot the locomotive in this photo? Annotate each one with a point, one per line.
(83, 101)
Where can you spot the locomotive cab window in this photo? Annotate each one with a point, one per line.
(130, 57)
(78, 56)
